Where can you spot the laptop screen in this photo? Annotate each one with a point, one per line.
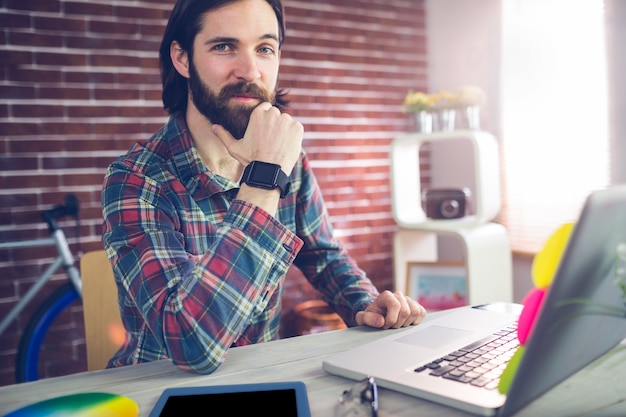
(582, 316)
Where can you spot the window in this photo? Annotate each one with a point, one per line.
(554, 114)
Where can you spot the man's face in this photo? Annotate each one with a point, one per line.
(234, 65)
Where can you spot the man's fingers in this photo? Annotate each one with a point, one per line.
(371, 319)
(266, 105)
(392, 310)
(418, 312)
(403, 316)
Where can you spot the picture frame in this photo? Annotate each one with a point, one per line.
(437, 285)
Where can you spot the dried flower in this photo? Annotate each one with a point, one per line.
(445, 100)
(416, 101)
(471, 96)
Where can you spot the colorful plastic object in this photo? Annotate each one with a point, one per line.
(92, 404)
(544, 267)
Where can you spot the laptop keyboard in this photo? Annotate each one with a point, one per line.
(480, 363)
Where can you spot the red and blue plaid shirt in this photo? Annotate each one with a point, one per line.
(199, 271)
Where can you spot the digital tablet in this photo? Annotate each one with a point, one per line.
(284, 399)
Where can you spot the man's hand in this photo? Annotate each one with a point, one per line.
(271, 136)
(391, 310)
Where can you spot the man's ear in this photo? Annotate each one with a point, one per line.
(180, 59)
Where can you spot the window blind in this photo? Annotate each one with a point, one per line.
(555, 140)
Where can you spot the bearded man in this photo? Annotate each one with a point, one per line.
(203, 220)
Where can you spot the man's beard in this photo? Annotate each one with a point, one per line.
(216, 107)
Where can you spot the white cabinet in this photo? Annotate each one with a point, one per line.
(485, 245)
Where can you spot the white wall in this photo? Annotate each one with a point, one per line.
(464, 49)
(616, 41)
(464, 44)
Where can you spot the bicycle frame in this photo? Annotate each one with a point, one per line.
(64, 259)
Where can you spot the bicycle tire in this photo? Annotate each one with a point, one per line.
(27, 363)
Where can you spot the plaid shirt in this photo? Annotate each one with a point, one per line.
(199, 271)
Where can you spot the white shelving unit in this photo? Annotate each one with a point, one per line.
(486, 247)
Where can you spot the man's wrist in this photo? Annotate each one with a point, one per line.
(266, 176)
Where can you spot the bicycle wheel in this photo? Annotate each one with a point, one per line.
(26, 367)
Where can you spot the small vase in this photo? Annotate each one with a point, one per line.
(424, 121)
(446, 119)
(472, 113)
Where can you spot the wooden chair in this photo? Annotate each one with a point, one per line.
(104, 332)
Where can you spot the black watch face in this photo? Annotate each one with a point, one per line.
(264, 174)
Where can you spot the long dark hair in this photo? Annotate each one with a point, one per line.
(184, 24)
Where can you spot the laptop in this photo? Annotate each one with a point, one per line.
(565, 338)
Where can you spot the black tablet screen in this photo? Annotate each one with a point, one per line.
(280, 403)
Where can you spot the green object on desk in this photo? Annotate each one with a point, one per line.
(92, 404)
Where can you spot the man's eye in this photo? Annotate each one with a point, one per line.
(266, 50)
(222, 47)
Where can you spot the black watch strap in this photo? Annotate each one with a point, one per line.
(267, 176)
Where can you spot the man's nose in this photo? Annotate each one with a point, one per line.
(247, 67)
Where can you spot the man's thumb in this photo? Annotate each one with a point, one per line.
(223, 134)
(370, 319)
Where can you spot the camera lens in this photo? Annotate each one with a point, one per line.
(449, 209)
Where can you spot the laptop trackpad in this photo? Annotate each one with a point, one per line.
(433, 336)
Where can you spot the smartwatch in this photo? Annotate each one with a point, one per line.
(267, 176)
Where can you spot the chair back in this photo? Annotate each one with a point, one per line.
(104, 332)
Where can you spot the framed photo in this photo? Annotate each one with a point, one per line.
(437, 285)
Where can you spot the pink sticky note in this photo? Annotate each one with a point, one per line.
(532, 303)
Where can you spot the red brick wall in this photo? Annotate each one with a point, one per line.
(80, 83)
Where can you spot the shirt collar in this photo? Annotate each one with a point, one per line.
(199, 181)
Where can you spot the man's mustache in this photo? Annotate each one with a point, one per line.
(246, 89)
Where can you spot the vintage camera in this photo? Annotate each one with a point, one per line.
(446, 203)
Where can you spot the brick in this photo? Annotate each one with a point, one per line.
(61, 58)
(113, 60)
(90, 41)
(36, 40)
(93, 76)
(64, 93)
(139, 13)
(30, 181)
(33, 75)
(8, 20)
(27, 145)
(34, 5)
(14, 57)
(82, 179)
(91, 111)
(88, 9)
(117, 94)
(12, 163)
(153, 30)
(114, 27)
(36, 110)
(66, 128)
(18, 129)
(59, 162)
(153, 95)
(141, 111)
(149, 78)
(17, 200)
(60, 23)
(120, 128)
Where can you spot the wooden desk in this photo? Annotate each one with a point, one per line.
(598, 390)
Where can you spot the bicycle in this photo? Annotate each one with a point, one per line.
(26, 367)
